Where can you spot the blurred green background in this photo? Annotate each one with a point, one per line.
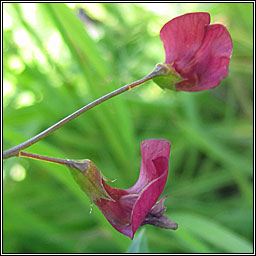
(59, 57)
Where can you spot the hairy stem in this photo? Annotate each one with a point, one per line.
(159, 70)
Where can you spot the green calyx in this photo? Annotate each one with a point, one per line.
(89, 179)
(166, 77)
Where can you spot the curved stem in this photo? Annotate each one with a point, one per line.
(15, 150)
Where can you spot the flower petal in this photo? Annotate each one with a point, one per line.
(151, 150)
(155, 216)
(158, 209)
(182, 37)
(117, 213)
(210, 63)
(150, 194)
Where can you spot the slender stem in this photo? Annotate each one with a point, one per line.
(44, 158)
(14, 151)
(80, 165)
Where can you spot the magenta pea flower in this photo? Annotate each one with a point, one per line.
(127, 210)
(197, 53)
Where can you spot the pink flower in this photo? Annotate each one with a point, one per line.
(198, 52)
(128, 209)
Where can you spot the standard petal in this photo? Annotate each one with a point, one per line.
(150, 194)
(182, 37)
(210, 63)
(151, 150)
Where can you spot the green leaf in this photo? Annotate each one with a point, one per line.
(225, 240)
(139, 244)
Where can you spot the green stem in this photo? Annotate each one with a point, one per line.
(80, 165)
(14, 151)
(44, 158)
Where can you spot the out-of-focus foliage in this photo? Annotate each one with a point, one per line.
(59, 57)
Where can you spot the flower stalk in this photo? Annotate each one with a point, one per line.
(44, 158)
(14, 151)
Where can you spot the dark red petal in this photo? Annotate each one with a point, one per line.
(210, 63)
(152, 179)
(182, 37)
(150, 194)
(151, 150)
(116, 212)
